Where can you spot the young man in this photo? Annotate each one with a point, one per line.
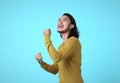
(67, 60)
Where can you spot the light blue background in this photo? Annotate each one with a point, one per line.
(22, 23)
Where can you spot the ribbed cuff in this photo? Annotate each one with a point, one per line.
(47, 38)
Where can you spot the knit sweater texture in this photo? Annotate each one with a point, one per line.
(67, 60)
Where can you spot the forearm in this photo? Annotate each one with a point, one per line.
(52, 51)
(50, 68)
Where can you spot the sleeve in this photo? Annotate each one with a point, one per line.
(50, 68)
(69, 48)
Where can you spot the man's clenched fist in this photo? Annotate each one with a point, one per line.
(47, 32)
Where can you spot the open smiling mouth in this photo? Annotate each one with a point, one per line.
(60, 26)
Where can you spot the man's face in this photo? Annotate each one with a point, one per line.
(63, 24)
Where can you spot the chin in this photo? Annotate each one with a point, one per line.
(59, 30)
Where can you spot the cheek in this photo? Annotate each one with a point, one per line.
(65, 23)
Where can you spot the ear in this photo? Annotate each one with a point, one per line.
(72, 26)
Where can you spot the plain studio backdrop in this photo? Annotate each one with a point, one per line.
(22, 23)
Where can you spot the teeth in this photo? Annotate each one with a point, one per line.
(60, 27)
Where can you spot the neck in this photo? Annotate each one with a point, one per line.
(64, 36)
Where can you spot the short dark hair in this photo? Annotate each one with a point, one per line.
(74, 31)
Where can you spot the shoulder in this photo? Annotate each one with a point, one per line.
(73, 40)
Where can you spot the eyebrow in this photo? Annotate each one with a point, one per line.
(63, 19)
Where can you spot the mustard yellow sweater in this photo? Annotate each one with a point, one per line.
(67, 60)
